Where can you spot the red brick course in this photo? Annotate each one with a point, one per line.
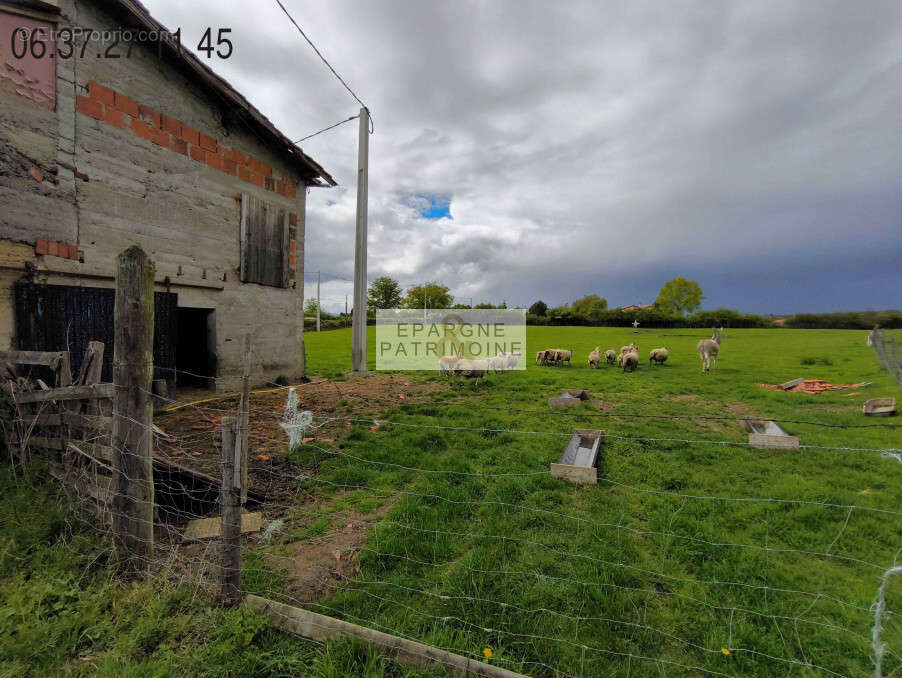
(113, 117)
(55, 249)
(190, 135)
(170, 124)
(126, 105)
(89, 107)
(119, 110)
(179, 146)
(149, 115)
(198, 154)
(102, 94)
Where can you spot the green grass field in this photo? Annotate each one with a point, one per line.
(657, 570)
(64, 611)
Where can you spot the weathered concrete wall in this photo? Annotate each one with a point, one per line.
(137, 154)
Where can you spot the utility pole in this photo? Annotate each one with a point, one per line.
(358, 325)
(317, 301)
(424, 301)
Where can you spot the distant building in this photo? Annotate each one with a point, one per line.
(635, 307)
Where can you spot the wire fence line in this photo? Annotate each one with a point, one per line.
(887, 353)
(424, 580)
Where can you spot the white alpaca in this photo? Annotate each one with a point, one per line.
(708, 350)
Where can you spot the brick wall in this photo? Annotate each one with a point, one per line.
(114, 108)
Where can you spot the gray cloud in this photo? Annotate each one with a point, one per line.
(596, 147)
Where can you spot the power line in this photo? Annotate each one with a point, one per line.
(326, 129)
(319, 54)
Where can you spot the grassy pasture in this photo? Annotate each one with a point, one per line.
(657, 570)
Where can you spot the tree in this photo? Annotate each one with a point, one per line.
(538, 308)
(385, 292)
(310, 306)
(591, 307)
(679, 296)
(436, 296)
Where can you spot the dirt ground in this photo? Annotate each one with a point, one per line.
(188, 435)
(188, 431)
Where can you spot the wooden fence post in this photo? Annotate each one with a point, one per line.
(230, 508)
(243, 418)
(133, 501)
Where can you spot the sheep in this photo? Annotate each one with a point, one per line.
(630, 361)
(595, 357)
(610, 356)
(657, 355)
(513, 360)
(564, 355)
(550, 356)
(624, 350)
(629, 347)
(540, 357)
(446, 365)
(497, 363)
(472, 369)
(709, 348)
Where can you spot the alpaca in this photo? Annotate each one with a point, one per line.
(708, 350)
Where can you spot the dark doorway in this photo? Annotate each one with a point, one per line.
(195, 356)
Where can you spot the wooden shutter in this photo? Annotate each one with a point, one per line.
(264, 236)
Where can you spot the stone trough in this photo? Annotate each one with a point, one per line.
(581, 458)
(767, 434)
(570, 397)
(879, 407)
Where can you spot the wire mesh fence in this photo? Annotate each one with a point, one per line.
(887, 353)
(425, 523)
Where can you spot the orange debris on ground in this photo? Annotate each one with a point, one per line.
(814, 386)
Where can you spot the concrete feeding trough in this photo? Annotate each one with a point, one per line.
(570, 397)
(879, 407)
(767, 434)
(580, 459)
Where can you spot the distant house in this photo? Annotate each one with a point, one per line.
(151, 148)
(634, 307)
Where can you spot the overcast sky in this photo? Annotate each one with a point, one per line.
(593, 147)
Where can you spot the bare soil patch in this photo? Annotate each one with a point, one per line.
(190, 437)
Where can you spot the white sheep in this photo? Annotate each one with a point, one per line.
(658, 355)
(497, 363)
(540, 357)
(513, 359)
(610, 356)
(630, 361)
(595, 357)
(629, 347)
(446, 365)
(564, 355)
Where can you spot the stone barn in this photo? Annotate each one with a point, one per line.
(112, 136)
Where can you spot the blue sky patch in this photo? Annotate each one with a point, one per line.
(432, 206)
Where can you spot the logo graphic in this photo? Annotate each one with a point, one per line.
(418, 339)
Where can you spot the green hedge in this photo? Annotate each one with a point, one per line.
(651, 318)
(853, 320)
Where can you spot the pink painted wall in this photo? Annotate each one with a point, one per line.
(32, 78)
